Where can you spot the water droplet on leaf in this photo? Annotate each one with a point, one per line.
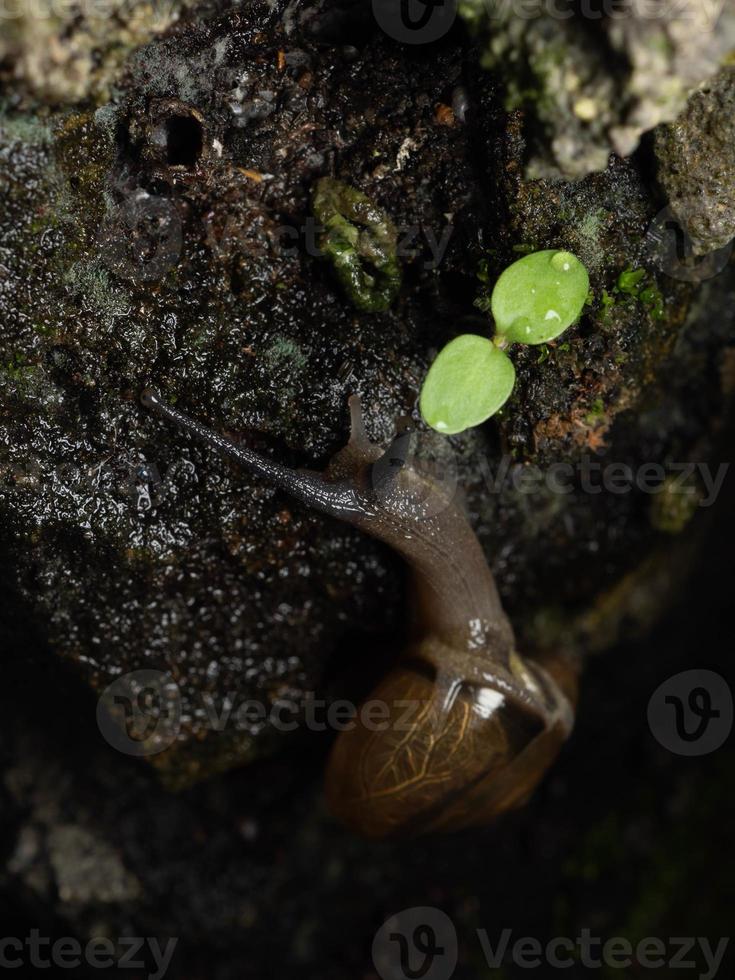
(539, 296)
(563, 261)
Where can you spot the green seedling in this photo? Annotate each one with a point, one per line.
(535, 300)
(467, 383)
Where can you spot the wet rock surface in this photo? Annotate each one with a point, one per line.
(213, 575)
(163, 238)
(697, 164)
(68, 53)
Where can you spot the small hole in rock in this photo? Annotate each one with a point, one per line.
(184, 141)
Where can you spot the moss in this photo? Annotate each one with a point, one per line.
(596, 412)
(20, 378)
(675, 505)
(659, 878)
(15, 366)
(696, 165)
(638, 285)
(585, 90)
(630, 281)
(601, 849)
(83, 152)
(668, 880)
(73, 54)
(284, 361)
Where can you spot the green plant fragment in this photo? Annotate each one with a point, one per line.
(361, 242)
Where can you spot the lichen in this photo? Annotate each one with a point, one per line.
(66, 54)
(591, 86)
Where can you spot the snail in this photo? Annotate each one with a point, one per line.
(470, 726)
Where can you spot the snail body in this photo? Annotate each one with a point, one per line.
(469, 726)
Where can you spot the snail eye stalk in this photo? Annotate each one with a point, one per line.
(299, 483)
